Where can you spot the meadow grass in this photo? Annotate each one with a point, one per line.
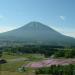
(10, 68)
(30, 56)
(16, 73)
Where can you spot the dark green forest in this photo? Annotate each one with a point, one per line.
(48, 51)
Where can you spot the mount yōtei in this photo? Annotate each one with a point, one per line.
(35, 32)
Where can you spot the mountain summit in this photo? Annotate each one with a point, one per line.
(36, 32)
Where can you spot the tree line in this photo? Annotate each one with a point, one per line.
(57, 51)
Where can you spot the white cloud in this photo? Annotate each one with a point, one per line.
(62, 17)
(63, 31)
(3, 30)
(71, 34)
(7, 28)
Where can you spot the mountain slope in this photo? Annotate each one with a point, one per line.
(39, 33)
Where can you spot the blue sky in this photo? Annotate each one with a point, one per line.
(58, 14)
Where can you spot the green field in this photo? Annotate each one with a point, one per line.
(12, 65)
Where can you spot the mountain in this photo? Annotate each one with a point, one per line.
(36, 32)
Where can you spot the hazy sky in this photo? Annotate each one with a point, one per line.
(58, 14)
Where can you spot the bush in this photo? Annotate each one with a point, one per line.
(57, 70)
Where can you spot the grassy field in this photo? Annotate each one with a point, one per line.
(11, 68)
(30, 56)
(16, 73)
(11, 73)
